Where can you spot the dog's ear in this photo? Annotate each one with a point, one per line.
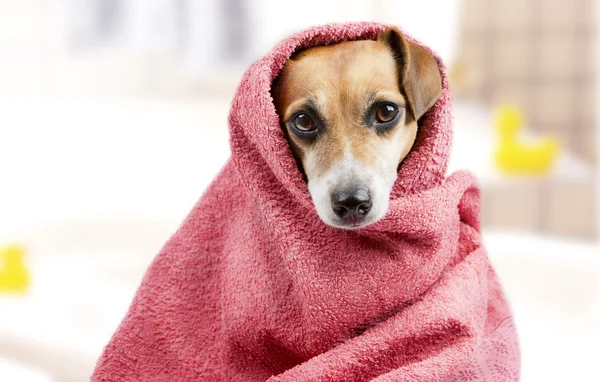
(418, 72)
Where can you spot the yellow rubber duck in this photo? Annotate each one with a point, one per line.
(14, 276)
(514, 156)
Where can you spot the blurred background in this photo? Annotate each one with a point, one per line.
(113, 121)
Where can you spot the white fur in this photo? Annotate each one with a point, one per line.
(350, 172)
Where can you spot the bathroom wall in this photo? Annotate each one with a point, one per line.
(542, 57)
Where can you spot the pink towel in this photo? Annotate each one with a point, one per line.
(254, 286)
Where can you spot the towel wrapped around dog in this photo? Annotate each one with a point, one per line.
(254, 286)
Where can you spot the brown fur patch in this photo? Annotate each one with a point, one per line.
(342, 81)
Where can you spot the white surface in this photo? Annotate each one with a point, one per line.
(554, 289)
(63, 160)
(12, 371)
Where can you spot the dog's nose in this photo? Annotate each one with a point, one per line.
(351, 204)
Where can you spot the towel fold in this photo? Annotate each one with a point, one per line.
(254, 286)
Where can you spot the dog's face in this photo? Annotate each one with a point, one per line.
(350, 114)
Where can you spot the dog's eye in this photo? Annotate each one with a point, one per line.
(304, 122)
(386, 113)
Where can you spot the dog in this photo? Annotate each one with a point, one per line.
(350, 113)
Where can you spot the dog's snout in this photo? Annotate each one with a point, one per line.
(351, 204)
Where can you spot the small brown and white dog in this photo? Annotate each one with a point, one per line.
(350, 112)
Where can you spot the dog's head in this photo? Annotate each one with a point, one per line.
(350, 113)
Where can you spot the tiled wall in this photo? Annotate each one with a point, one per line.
(541, 56)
